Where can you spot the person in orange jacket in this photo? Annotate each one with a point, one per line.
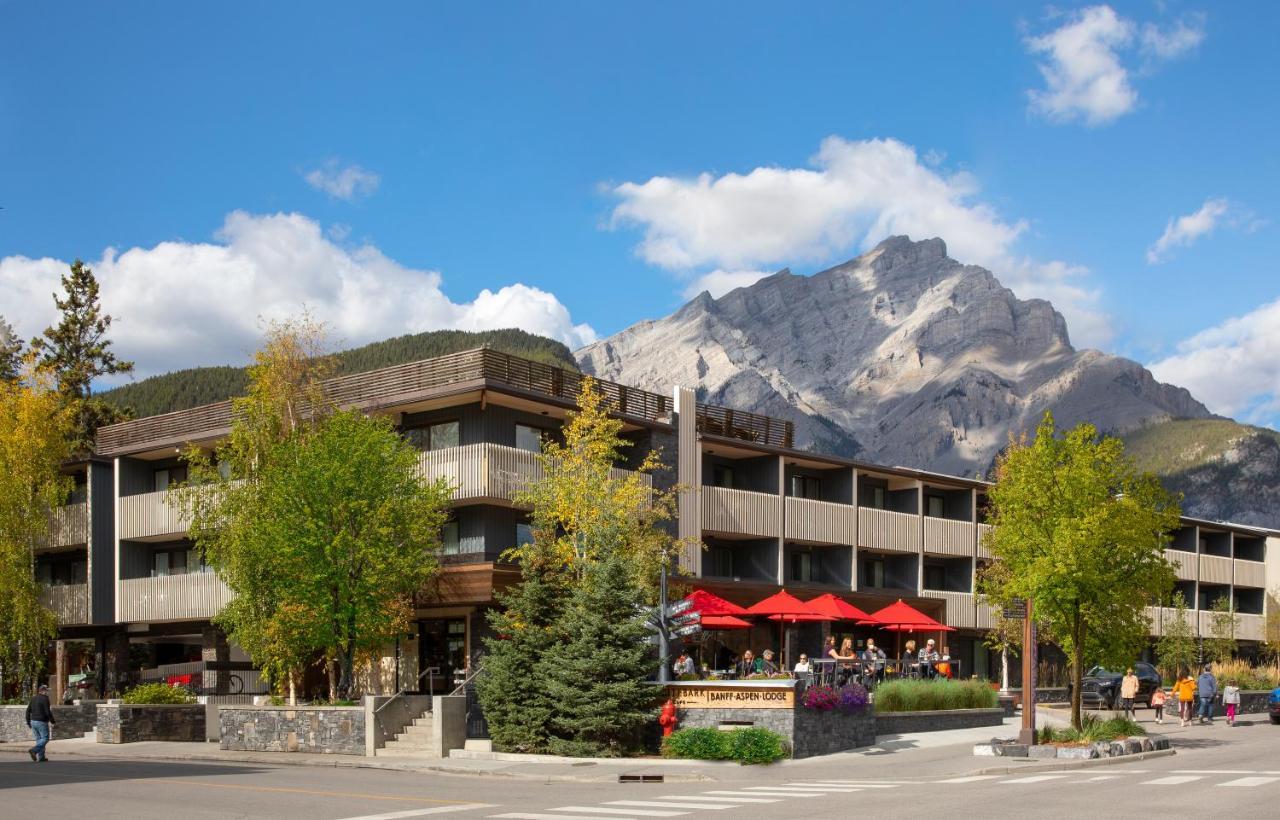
(1185, 689)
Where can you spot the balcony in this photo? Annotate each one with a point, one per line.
(821, 521)
(942, 536)
(192, 597)
(1214, 569)
(986, 615)
(69, 525)
(741, 512)
(983, 550)
(888, 531)
(961, 608)
(1184, 563)
(491, 473)
(1250, 627)
(150, 516)
(1250, 574)
(70, 602)
(1162, 616)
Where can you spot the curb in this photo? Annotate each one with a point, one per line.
(1056, 766)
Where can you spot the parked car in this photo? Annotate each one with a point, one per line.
(1101, 687)
(1273, 706)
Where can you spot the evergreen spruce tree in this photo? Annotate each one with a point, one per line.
(10, 352)
(78, 351)
(514, 697)
(598, 676)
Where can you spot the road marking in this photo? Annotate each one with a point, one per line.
(1173, 781)
(1101, 777)
(775, 794)
(1035, 778)
(316, 792)
(1218, 771)
(1246, 782)
(670, 804)
(639, 812)
(536, 816)
(847, 785)
(836, 789)
(722, 799)
(973, 778)
(395, 815)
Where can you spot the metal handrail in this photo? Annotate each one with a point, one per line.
(430, 672)
(460, 688)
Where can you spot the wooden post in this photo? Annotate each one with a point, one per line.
(1028, 733)
(59, 670)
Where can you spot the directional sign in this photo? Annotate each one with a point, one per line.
(1017, 611)
(686, 619)
(679, 607)
(685, 631)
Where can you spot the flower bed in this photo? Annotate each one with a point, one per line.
(933, 696)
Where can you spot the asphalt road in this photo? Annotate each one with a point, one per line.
(1218, 771)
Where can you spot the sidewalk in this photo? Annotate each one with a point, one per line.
(921, 754)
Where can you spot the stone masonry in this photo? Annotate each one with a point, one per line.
(316, 729)
(133, 723)
(69, 721)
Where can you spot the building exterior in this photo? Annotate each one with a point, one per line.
(126, 582)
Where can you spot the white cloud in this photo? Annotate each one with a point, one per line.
(719, 282)
(1185, 230)
(1234, 368)
(347, 183)
(1083, 63)
(182, 304)
(856, 194)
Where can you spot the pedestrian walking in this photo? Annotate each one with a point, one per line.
(1157, 703)
(1231, 697)
(1206, 689)
(1185, 690)
(1128, 691)
(40, 718)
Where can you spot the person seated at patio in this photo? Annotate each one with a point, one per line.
(910, 660)
(766, 663)
(928, 657)
(746, 664)
(874, 660)
(829, 648)
(945, 666)
(683, 665)
(846, 656)
(802, 666)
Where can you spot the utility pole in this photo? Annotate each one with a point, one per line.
(664, 648)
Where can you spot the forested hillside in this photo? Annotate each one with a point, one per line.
(203, 385)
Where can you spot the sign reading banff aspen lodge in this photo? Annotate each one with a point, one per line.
(732, 697)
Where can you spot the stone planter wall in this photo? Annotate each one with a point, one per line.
(1088, 751)
(69, 721)
(824, 733)
(315, 729)
(133, 723)
(898, 723)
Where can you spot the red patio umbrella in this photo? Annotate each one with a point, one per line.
(709, 604)
(724, 622)
(786, 608)
(838, 608)
(901, 617)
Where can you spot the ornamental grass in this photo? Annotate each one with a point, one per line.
(932, 695)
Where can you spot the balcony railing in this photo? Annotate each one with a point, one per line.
(821, 521)
(741, 512)
(1250, 627)
(194, 596)
(986, 616)
(151, 515)
(724, 421)
(492, 472)
(887, 530)
(1162, 617)
(943, 536)
(1184, 563)
(984, 551)
(961, 607)
(1214, 569)
(70, 602)
(1250, 574)
(69, 525)
(389, 386)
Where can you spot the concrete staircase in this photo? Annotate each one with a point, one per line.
(416, 741)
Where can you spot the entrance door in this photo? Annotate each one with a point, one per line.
(442, 643)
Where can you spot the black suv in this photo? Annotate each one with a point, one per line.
(1101, 687)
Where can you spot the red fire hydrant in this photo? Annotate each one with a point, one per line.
(667, 719)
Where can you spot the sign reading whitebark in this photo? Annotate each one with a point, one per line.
(732, 697)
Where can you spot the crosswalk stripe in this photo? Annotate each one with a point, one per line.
(973, 778)
(849, 785)
(404, 815)
(1174, 780)
(1246, 782)
(1035, 778)
(637, 812)
(722, 799)
(774, 794)
(1218, 771)
(670, 804)
(519, 815)
(836, 789)
(1102, 777)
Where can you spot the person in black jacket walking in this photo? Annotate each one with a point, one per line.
(40, 718)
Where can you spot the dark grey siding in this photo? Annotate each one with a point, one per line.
(102, 548)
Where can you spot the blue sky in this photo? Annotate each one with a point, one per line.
(413, 166)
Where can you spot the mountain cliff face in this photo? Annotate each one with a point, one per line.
(902, 356)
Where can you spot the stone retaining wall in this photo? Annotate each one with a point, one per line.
(900, 723)
(133, 723)
(315, 729)
(69, 721)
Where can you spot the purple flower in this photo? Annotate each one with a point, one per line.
(820, 698)
(852, 698)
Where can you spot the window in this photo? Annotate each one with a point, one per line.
(873, 572)
(935, 576)
(524, 534)
(177, 562)
(806, 486)
(436, 436)
(530, 438)
(935, 506)
(166, 476)
(722, 476)
(873, 496)
(449, 538)
(802, 567)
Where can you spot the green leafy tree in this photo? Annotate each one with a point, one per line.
(1081, 533)
(1220, 644)
(1271, 629)
(33, 445)
(78, 351)
(1177, 646)
(597, 676)
(10, 352)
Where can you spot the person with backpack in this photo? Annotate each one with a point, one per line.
(40, 718)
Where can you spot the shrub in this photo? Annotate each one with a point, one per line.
(747, 746)
(1246, 675)
(1092, 729)
(925, 695)
(157, 693)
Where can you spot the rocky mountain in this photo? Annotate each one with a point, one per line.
(900, 356)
